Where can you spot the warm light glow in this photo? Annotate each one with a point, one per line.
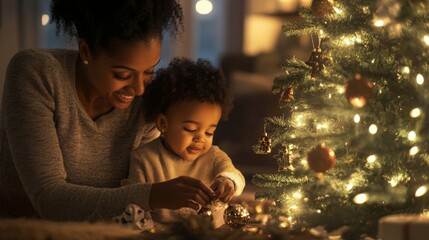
(45, 19)
(414, 150)
(406, 70)
(318, 211)
(426, 39)
(304, 162)
(360, 198)
(337, 10)
(393, 182)
(294, 207)
(203, 7)
(371, 158)
(420, 79)
(322, 126)
(297, 195)
(349, 186)
(421, 191)
(356, 118)
(415, 112)
(373, 129)
(341, 90)
(358, 102)
(412, 136)
(378, 23)
(347, 41)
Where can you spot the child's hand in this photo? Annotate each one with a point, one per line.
(224, 189)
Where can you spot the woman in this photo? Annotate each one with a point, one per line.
(69, 119)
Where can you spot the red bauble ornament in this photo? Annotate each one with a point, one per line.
(359, 91)
(320, 159)
(322, 8)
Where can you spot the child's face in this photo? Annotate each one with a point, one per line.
(189, 128)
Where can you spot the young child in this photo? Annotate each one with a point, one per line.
(186, 101)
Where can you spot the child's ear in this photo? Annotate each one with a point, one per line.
(161, 123)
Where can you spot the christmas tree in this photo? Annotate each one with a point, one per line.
(352, 144)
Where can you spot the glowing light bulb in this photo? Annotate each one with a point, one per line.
(412, 136)
(426, 39)
(371, 158)
(373, 129)
(318, 211)
(406, 70)
(349, 186)
(356, 118)
(379, 23)
(414, 150)
(361, 198)
(415, 112)
(420, 79)
(421, 191)
(393, 182)
(304, 162)
(297, 195)
(45, 19)
(294, 207)
(203, 7)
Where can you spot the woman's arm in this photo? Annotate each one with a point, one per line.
(28, 110)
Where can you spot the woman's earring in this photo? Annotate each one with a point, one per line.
(85, 62)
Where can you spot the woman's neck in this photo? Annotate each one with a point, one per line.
(93, 103)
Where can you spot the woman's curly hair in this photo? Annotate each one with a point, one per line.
(185, 80)
(101, 21)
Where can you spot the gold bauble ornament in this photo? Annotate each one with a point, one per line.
(320, 159)
(358, 91)
(236, 216)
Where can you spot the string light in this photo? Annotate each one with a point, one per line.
(414, 150)
(361, 198)
(415, 112)
(373, 129)
(349, 186)
(412, 136)
(203, 7)
(378, 23)
(371, 158)
(356, 118)
(421, 191)
(45, 19)
(297, 195)
(406, 70)
(420, 79)
(426, 39)
(318, 211)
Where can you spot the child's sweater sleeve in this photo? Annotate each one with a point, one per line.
(223, 167)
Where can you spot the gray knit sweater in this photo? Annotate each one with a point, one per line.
(55, 161)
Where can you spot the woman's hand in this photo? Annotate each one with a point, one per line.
(224, 188)
(180, 192)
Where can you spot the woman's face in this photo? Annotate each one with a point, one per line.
(118, 74)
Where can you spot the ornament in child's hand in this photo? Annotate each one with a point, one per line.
(320, 159)
(358, 91)
(236, 216)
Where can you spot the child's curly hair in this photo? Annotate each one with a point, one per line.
(184, 80)
(101, 21)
